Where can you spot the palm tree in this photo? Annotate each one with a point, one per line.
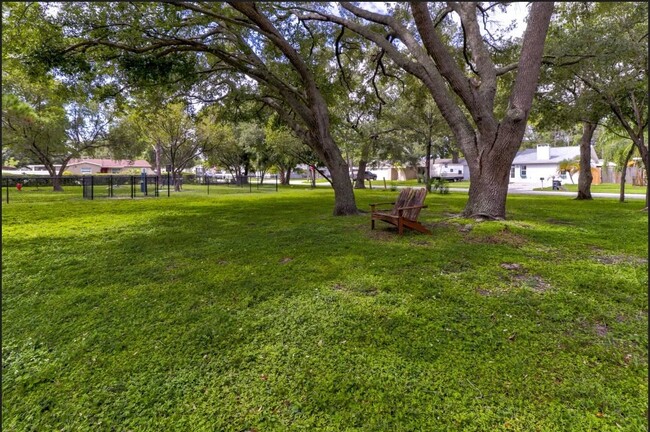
(570, 166)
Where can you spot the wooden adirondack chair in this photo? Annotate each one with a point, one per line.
(405, 211)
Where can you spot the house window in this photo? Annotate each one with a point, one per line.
(86, 171)
(523, 171)
(445, 165)
(512, 171)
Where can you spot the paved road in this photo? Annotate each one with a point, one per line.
(515, 189)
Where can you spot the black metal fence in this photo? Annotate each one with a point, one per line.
(120, 186)
(41, 188)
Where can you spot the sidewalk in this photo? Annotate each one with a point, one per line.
(513, 189)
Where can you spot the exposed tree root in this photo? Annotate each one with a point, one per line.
(481, 217)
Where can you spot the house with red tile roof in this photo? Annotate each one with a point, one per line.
(107, 166)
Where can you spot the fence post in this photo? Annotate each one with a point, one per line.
(157, 193)
(7, 187)
(132, 187)
(146, 190)
(250, 185)
(384, 182)
(276, 182)
(167, 183)
(110, 187)
(207, 180)
(92, 187)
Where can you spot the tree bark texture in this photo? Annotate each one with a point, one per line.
(488, 188)
(586, 178)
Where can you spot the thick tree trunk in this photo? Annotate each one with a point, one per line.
(585, 179)
(177, 178)
(488, 189)
(157, 152)
(315, 123)
(643, 151)
(628, 156)
(344, 202)
(287, 177)
(492, 145)
(427, 171)
(56, 177)
(56, 183)
(360, 181)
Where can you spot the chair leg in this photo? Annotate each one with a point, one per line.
(372, 224)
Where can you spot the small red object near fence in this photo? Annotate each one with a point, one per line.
(19, 186)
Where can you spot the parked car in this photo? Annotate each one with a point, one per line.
(368, 176)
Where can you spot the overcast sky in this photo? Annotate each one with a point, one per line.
(516, 11)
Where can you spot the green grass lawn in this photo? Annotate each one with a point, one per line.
(261, 311)
(603, 187)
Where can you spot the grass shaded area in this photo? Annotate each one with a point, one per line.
(262, 311)
(603, 187)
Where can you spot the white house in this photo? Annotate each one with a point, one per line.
(36, 170)
(533, 165)
(388, 171)
(448, 168)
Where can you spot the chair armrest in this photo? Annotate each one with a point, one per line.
(372, 206)
(401, 209)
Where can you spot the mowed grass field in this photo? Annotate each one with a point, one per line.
(261, 311)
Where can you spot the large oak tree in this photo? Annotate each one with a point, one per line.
(466, 93)
(228, 45)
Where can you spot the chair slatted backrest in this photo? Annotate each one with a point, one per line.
(410, 197)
